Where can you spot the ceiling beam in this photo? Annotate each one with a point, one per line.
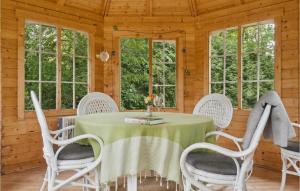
(61, 2)
(149, 8)
(106, 7)
(193, 7)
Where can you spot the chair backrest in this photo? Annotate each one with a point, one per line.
(96, 102)
(216, 106)
(255, 138)
(48, 148)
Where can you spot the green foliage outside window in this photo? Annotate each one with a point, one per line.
(257, 50)
(135, 72)
(41, 66)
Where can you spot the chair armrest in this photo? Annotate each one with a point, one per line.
(226, 135)
(56, 132)
(224, 151)
(63, 143)
(236, 140)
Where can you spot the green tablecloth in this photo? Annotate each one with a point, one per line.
(143, 147)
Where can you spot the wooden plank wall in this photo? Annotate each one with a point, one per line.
(21, 139)
(286, 11)
(155, 25)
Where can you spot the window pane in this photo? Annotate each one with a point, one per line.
(217, 43)
(29, 86)
(48, 95)
(267, 66)
(231, 41)
(231, 93)
(32, 34)
(81, 69)
(231, 68)
(249, 94)
(267, 39)
(264, 87)
(170, 74)
(249, 39)
(170, 96)
(80, 91)
(217, 88)
(67, 95)
(157, 51)
(31, 66)
(170, 51)
(134, 73)
(138, 46)
(67, 40)
(250, 66)
(49, 39)
(217, 69)
(48, 67)
(81, 45)
(158, 73)
(67, 68)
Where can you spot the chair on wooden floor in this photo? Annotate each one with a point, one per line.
(216, 106)
(290, 156)
(69, 156)
(223, 166)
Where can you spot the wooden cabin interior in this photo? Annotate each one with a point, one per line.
(213, 52)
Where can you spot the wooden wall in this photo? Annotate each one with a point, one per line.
(286, 12)
(21, 139)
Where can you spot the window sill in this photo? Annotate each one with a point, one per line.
(50, 113)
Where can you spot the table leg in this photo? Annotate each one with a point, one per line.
(132, 183)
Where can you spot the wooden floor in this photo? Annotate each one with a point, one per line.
(261, 180)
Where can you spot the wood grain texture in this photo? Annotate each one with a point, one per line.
(261, 179)
(20, 138)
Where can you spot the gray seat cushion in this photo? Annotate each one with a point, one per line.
(293, 146)
(212, 163)
(76, 152)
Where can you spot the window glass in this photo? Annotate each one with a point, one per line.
(41, 63)
(223, 63)
(134, 72)
(258, 61)
(135, 76)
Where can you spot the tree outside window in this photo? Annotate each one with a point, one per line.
(257, 62)
(41, 66)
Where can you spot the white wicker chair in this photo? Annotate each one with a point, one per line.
(70, 156)
(223, 166)
(216, 106)
(96, 102)
(290, 156)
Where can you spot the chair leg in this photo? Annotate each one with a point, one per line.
(44, 181)
(97, 180)
(283, 178)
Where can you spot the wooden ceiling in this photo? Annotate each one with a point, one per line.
(150, 7)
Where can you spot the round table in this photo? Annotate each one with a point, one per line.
(132, 148)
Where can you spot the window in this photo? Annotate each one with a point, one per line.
(42, 63)
(256, 65)
(257, 62)
(141, 76)
(223, 62)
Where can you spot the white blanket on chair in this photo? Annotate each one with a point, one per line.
(278, 128)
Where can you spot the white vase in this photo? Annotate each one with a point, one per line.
(148, 113)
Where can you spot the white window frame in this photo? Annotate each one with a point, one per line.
(258, 51)
(164, 85)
